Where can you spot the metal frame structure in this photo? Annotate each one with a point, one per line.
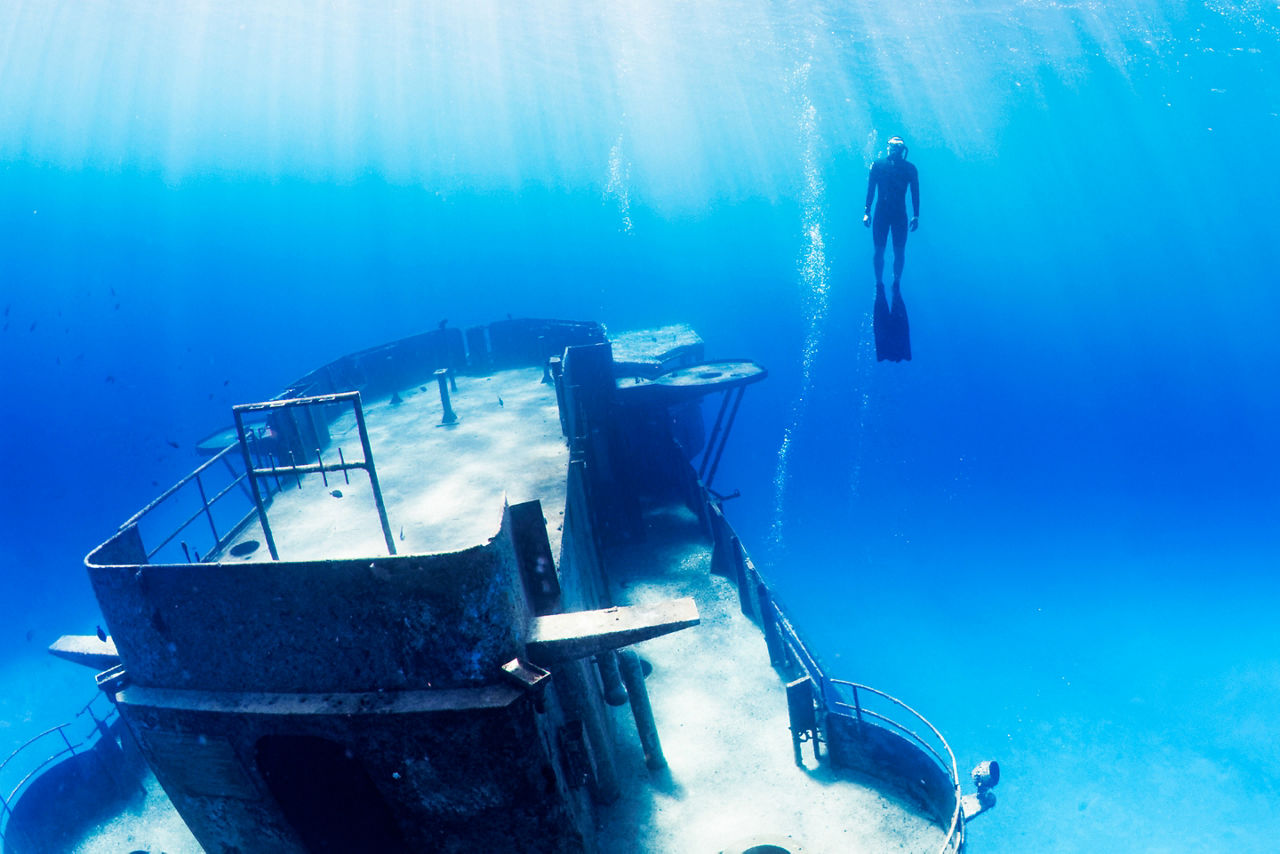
(319, 466)
(714, 452)
(100, 727)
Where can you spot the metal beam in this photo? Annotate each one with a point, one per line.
(564, 637)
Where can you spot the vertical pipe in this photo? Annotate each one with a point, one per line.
(320, 460)
(293, 466)
(724, 439)
(610, 678)
(343, 461)
(204, 502)
(373, 474)
(253, 484)
(641, 710)
(715, 434)
(449, 417)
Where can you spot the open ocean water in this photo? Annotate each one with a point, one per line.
(1054, 532)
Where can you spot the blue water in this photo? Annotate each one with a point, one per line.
(1053, 532)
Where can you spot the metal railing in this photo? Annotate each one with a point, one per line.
(831, 694)
(62, 743)
(259, 475)
(857, 710)
(198, 480)
(835, 697)
(200, 499)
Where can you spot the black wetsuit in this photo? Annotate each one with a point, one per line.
(892, 176)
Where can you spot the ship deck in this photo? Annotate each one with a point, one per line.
(506, 441)
(720, 706)
(721, 711)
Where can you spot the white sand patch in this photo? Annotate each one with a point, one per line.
(721, 712)
(442, 486)
(153, 826)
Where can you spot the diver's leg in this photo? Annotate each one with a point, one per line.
(879, 237)
(899, 248)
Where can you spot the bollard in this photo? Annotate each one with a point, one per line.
(442, 378)
(633, 678)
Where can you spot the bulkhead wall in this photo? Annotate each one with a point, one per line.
(390, 623)
(402, 776)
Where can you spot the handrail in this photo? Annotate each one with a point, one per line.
(164, 496)
(836, 706)
(206, 500)
(7, 799)
(831, 703)
(948, 765)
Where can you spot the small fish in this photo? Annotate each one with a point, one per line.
(117, 307)
(32, 327)
(422, 388)
(171, 443)
(102, 636)
(336, 493)
(401, 536)
(226, 383)
(110, 379)
(113, 291)
(30, 634)
(500, 403)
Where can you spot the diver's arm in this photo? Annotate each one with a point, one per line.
(871, 194)
(915, 199)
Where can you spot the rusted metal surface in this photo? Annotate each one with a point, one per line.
(559, 637)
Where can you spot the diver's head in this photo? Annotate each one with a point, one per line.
(897, 148)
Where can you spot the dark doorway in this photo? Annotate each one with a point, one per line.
(327, 796)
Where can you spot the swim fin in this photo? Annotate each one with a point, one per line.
(880, 324)
(892, 332)
(901, 329)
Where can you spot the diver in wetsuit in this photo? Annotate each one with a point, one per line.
(891, 176)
